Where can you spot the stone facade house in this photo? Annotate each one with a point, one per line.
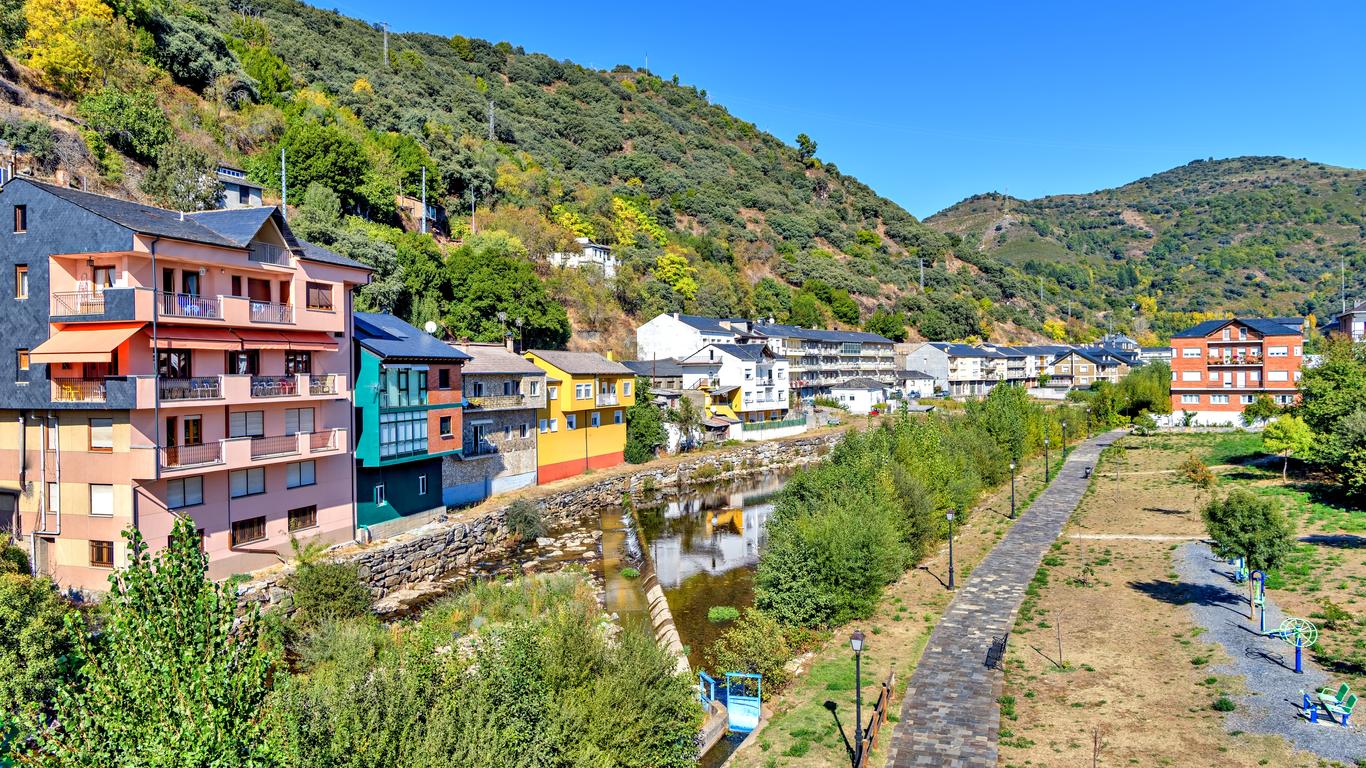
(502, 394)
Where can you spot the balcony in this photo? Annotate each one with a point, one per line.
(322, 385)
(1235, 361)
(758, 426)
(199, 388)
(321, 442)
(277, 445)
(480, 447)
(178, 456)
(79, 391)
(189, 306)
(494, 402)
(77, 304)
(270, 312)
(276, 386)
(607, 398)
(104, 305)
(268, 254)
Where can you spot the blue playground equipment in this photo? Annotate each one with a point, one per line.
(1300, 633)
(1257, 599)
(1240, 571)
(741, 695)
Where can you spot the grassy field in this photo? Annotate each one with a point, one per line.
(1131, 681)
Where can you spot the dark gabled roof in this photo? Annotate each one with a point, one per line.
(314, 252)
(818, 334)
(754, 352)
(961, 350)
(1099, 357)
(705, 324)
(238, 225)
(495, 358)
(1013, 352)
(859, 382)
(1044, 349)
(1266, 326)
(580, 363)
(667, 367)
(913, 375)
(393, 339)
(144, 219)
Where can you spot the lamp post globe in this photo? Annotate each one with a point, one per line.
(856, 642)
(949, 516)
(1045, 461)
(1012, 490)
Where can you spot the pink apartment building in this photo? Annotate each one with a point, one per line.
(168, 365)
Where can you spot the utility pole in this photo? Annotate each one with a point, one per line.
(384, 27)
(1041, 293)
(490, 119)
(471, 210)
(284, 187)
(424, 199)
(1343, 262)
(922, 274)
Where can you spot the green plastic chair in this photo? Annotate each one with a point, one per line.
(1344, 710)
(1336, 699)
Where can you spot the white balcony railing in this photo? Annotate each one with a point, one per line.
(607, 398)
(189, 305)
(270, 312)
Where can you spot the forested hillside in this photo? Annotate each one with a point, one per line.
(1254, 235)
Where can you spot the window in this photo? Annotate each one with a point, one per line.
(595, 419)
(54, 497)
(1278, 376)
(303, 517)
(298, 362)
(319, 296)
(583, 391)
(101, 434)
(421, 387)
(247, 531)
(1218, 399)
(174, 364)
(1190, 399)
(421, 485)
(1226, 334)
(247, 424)
(298, 420)
(1247, 399)
(1285, 399)
(300, 473)
(509, 389)
(625, 389)
(1190, 375)
(247, 362)
(379, 494)
(553, 392)
(402, 386)
(243, 194)
(101, 500)
(184, 492)
(616, 417)
(1299, 351)
(402, 434)
(20, 218)
(571, 421)
(523, 429)
(236, 285)
(21, 281)
(443, 378)
(247, 482)
(1190, 351)
(446, 426)
(104, 277)
(21, 359)
(534, 387)
(1277, 351)
(554, 425)
(101, 552)
(545, 425)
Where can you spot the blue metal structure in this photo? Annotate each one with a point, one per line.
(1259, 599)
(743, 693)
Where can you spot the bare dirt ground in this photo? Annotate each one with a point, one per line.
(1132, 683)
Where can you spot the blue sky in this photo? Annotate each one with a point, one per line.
(930, 104)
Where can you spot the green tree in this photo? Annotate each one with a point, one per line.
(13, 25)
(324, 154)
(173, 676)
(771, 299)
(844, 307)
(687, 418)
(806, 148)
(644, 425)
(1262, 408)
(1288, 436)
(130, 121)
(1246, 525)
(318, 217)
(33, 642)
(756, 644)
(490, 273)
(886, 323)
(807, 310)
(183, 179)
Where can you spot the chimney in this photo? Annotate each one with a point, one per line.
(611, 355)
(509, 344)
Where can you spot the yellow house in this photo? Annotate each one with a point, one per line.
(583, 423)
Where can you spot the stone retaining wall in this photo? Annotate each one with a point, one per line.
(425, 554)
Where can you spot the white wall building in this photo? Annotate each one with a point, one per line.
(859, 395)
(759, 377)
(677, 335)
(590, 253)
(918, 384)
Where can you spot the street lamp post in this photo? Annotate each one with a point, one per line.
(1045, 461)
(1012, 490)
(1088, 422)
(1064, 437)
(856, 642)
(949, 516)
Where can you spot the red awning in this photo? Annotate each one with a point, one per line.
(182, 337)
(83, 344)
(258, 339)
(314, 341)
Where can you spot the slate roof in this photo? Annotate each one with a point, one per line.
(705, 324)
(144, 219)
(393, 339)
(1099, 357)
(314, 252)
(753, 352)
(1264, 325)
(912, 375)
(961, 350)
(859, 382)
(238, 225)
(495, 358)
(818, 334)
(580, 363)
(667, 367)
(1044, 349)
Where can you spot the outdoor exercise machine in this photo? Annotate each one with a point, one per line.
(1338, 705)
(1240, 569)
(1257, 600)
(1301, 633)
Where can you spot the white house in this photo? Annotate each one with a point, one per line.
(590, 253)
(859, 395)
(677, 335)
(918, 384)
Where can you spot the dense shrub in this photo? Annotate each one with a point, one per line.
(326, 591)
(526, 519)
(183, 179)
(131, 121)
(32, 639)
(756, 644)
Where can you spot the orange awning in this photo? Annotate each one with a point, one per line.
(85, 344)
(180, 337)
(257, 339)
(315, 341)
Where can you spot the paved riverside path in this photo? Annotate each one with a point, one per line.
(949, 716)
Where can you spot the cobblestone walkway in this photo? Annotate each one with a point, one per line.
(949, 717)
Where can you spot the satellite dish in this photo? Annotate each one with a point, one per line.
(429, 326)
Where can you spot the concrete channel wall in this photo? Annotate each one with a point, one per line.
(427, 553)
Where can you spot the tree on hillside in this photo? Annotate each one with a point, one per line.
(771, 299)
(173, 676)
(131, 121)
(1288, 436)
(183, 179)
(844, 307)
(806, 148)
(807, 311)
(886, 323)
(1253, 527)
(324, 154)
(490, 273)
(644, 425)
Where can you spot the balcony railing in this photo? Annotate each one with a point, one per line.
(277, 445)
(270, 312)
(78, 390)
(322, 385)
(192, 455)
(274, 386)
(268, 254)
(754, 426)
(497, 401)
(607, 398)
(1245, 360)
(481, 447)
(200, 388)
(78, 303)
(189, 305)
(322, 441)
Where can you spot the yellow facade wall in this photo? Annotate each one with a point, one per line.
(563, 452)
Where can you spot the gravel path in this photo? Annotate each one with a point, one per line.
(1267, 665)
